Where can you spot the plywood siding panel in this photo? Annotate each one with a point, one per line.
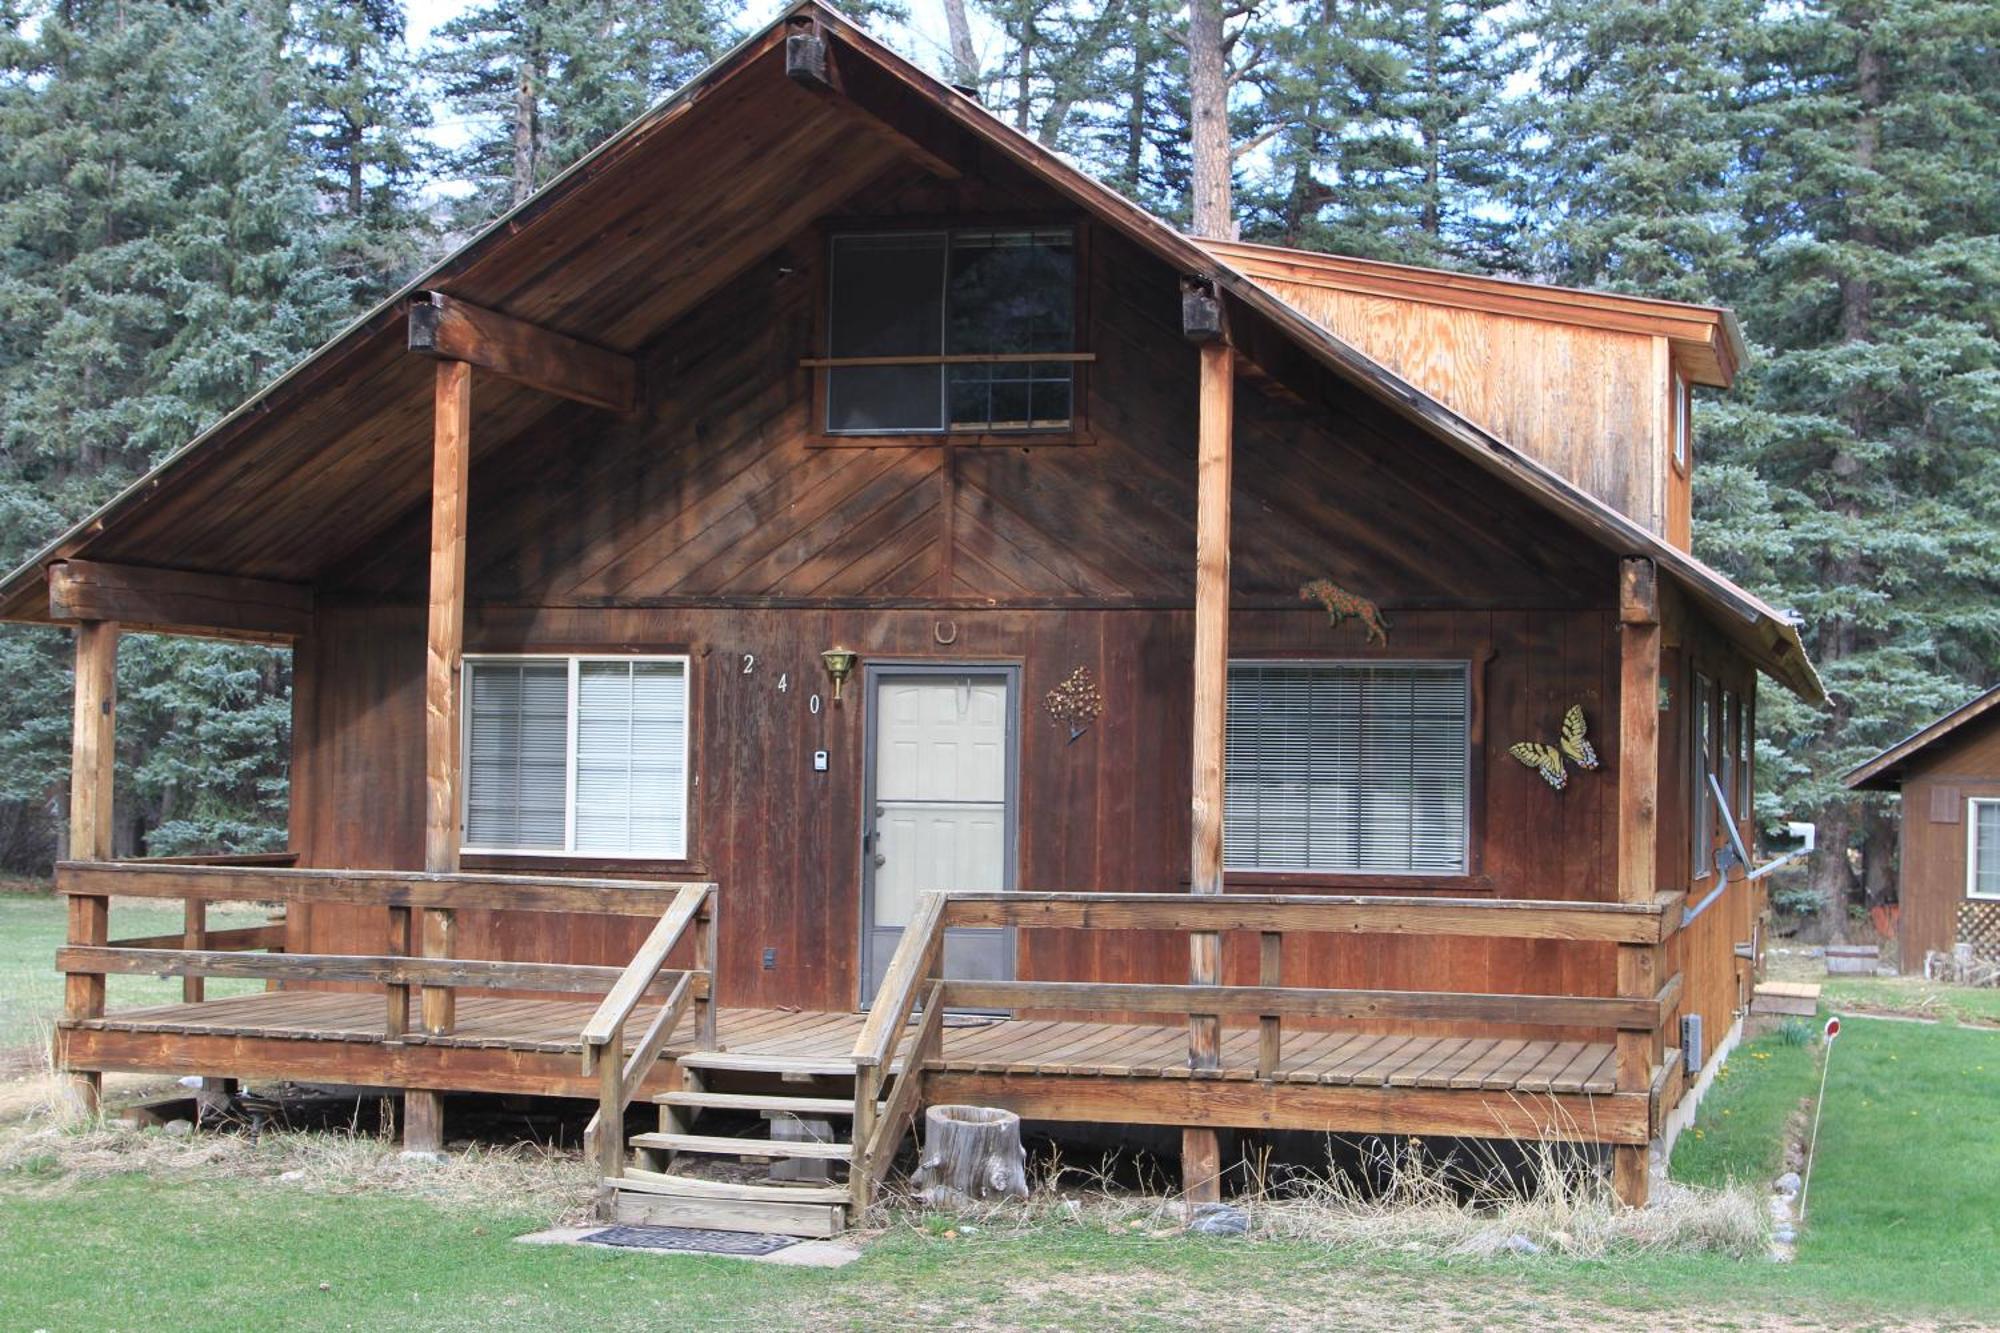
(1577, 399)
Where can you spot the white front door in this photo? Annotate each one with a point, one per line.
(939, 809)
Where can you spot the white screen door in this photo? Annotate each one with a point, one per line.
(940, 809)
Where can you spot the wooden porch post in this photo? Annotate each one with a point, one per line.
(451, 451)
(1639, 965)
(93, 768)
(1201, 1155)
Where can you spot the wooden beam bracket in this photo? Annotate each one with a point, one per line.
(1201, 311)
(449, 329)
(805, 57)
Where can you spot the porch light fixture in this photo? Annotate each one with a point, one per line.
(839, 665)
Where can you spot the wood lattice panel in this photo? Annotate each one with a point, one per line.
(1979, 926)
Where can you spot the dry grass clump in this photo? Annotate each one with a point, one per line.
(50, 1157)
(1556, 1202)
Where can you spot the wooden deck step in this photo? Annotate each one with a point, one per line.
(746, 1101)
(1795, 998)
(747, 1063)
(661, 1198)
(666, 1182)
(727, 1147)
(784, 1217)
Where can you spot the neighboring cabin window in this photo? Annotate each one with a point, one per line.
(1982, 848)
(582, 755)
(959, 315)
(1348, 767)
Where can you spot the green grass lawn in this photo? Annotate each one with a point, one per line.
(1902, 1226)
(33, 927)
(1913, 996)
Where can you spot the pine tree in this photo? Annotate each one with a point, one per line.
(1872, 420)
(545, 81)
(1630, 142)
(1392, 142)
(360, 125)
(163, 255)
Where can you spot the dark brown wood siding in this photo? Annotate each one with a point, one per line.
(1107, 811)
(1933, 847)
(710, 523)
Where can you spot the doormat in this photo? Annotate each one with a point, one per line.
(696, 1240)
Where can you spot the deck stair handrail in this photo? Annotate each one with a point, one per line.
(912, 975)
(620, 1076)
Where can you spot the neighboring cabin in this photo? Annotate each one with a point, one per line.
(823, 496)
(1948, 853)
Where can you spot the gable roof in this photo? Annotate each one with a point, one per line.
(1707, 343)
(1886, 770)
(641, 230)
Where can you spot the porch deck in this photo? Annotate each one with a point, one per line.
(969, 1045)
(1269, 1056)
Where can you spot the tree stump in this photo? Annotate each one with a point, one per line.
(971, 1152)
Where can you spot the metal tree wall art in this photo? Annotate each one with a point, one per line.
(1342, 605)
(1076, 702)
(1573, 745)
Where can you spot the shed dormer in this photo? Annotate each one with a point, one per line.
(1591, 385)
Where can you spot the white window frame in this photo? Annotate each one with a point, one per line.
(1465, 868)
(1972, 804)
(569, 850)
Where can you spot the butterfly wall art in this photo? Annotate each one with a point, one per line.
(1547, 760)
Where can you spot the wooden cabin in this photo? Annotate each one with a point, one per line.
(901, 624)
(1948, 849)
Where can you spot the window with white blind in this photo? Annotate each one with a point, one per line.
(1348, 767)
(579, 755)
(1982, 848)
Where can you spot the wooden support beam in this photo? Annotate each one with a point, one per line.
(1640, 965)
(423, 1121)
(451, 453)
(92, 781)
(1200, 1150)
(178, 601)
(453, 330)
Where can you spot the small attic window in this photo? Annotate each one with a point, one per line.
(1683, 421)
(949, 332)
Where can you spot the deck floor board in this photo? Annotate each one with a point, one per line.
(1035, 1046)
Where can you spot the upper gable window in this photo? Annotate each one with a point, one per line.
(1683, 422)
(940, 330)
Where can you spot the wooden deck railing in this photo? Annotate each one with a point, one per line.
(90, 955)
(914, 973)
(620, 1076)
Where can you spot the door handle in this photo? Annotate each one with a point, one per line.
(880, 860)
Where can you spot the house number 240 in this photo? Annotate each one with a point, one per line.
(784, 680)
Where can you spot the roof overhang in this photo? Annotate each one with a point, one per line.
(890, 92)
(1886, 770)
(1706, 342)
